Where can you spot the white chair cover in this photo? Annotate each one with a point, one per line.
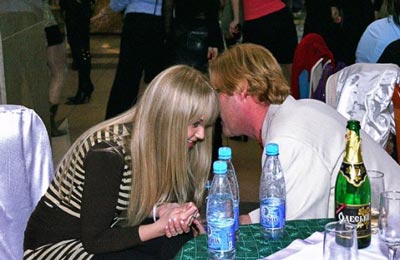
(315, 76)
(363, 91)
(26, 169)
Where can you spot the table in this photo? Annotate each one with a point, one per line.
(251, 245)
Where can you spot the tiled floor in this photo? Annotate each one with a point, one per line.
(105, 48)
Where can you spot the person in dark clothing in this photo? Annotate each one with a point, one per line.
(142, 50)
(340, 23)
(194, 39)
(352, 18)
(195, 35)
(319, 20)
(77, 21)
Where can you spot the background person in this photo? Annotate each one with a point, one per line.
(77, 22)
(56, 62)
(255, 101)
(351, 18)
(194, 39)
(100, 203)
(268, 23)
(379, 35)
(142, 51)
(196, 35)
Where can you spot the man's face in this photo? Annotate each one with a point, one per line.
(231, 111)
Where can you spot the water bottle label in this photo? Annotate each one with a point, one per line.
(272, 213)
(236, 209)
(221, 237)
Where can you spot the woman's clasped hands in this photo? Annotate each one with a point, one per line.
(178, 219)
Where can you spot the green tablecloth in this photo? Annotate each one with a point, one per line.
(251, 245)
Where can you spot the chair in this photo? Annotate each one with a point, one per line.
(316, 73)
(26, 169)
(363, 91)
(310, 52)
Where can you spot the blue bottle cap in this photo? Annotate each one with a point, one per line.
(220, 167)
(224, 153)
(272, 149)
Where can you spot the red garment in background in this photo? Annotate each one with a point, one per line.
(310, 49)
(253, 9)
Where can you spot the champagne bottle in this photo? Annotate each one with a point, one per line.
(353, 190)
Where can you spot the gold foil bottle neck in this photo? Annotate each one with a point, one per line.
(353, 148)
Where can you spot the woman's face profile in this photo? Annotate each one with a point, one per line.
(195, 132)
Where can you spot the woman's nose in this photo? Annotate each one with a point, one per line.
(200, 133)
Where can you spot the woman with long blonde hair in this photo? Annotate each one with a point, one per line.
(131, 187)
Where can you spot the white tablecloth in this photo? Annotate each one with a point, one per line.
(312, 247)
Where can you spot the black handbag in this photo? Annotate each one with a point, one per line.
(192, 39)
(197, 39)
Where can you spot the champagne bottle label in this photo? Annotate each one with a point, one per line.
(354, 173)
(358, 215)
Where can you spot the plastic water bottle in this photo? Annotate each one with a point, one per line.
(220, 215)
(208, 187)
(225, 154)
(272, 195)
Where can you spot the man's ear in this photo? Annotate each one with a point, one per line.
(244, 85)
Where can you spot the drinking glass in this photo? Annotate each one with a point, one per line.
(389, 221)
(340, 241)
(377, 186)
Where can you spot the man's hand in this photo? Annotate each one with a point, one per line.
(198, 228)
(244, 220)
(212, 53)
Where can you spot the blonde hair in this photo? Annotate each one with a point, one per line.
(257, 66)
(163, 168)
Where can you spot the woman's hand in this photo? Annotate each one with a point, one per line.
(161, 209)
(174, 219)
(234, 27)
(179, 219)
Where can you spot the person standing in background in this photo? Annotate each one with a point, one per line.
(319, 20)
(142, 49)
(379, 35)
(378, 6)
(196, 35)
(194, 39)
(268, 23)
(56, 61)
(77, 21)
(351, 18)
(226, 17)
